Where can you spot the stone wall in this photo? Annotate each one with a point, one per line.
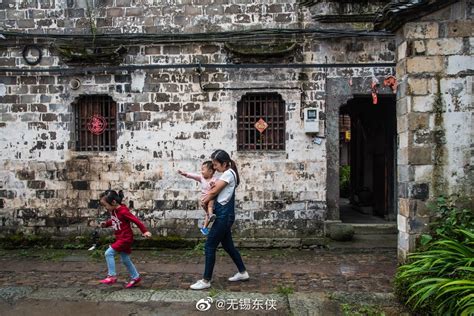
(435, 113)
(166, 121)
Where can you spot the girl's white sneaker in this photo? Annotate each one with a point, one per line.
(239, 277)
(200, 285)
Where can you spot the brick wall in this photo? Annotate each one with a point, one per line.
(166, 122)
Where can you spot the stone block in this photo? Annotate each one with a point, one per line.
(406, 242)
(423, 173)
(402, 223)
(460, 28)
(419, 224)
(420, 191)
(419, 156)
(402, 124)
(444, 46)
(402, 155)
(418, 121)
(423, 103)
(404, 139)
(403, 106)
(80, 185)
(404, 207)
(341, 232)
(457, 64)
(141, 116)
(422, 64)
(405, 173)
(421, 30)
(418, 48)
(115, 12)
(418, 86)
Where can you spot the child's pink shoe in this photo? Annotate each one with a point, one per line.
(109, 280)
(133, 282)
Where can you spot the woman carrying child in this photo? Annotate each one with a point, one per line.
(224, 209)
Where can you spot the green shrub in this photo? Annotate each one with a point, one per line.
(440, 280)
(450, 217)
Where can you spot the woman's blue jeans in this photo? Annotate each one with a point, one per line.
(110, 258)
(221, 233)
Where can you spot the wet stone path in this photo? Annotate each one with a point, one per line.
(310, 270)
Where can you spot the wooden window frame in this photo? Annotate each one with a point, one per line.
(255, 106)
(85, 106)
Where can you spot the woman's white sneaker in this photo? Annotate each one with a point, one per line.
(239, 277)
(200, 285)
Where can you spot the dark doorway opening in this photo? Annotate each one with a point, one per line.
(367, 152)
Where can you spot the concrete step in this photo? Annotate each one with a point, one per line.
(376, 229)
(377, 241)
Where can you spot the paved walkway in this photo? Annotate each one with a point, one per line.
(312, 273)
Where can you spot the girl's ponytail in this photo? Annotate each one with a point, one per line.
(120, 196)
(111, 196)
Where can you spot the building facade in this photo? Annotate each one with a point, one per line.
(121, 94)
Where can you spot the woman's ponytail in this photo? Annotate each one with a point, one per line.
(233, 165)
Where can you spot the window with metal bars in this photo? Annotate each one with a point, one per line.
(261, 122)
(96, 123)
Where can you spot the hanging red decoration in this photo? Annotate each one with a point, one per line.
(261, 125)
(96, 124)
(374, 87)
(391, 81)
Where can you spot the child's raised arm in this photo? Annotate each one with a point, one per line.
(190, 175)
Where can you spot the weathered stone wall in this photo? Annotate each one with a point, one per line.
(166, 122)
(435, 113)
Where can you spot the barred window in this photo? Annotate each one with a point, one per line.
(261, 122)
(96, 123)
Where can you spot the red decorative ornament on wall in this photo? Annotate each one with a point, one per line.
(261, 125)
(96, 124)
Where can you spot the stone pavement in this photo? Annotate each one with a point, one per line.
(283, 282)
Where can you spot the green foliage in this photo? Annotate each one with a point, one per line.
(214, 292)
(344, 180)
(451, 217)
(198, 250)
(440, 280)
(284, 290)
(52, 255)
(361, 310)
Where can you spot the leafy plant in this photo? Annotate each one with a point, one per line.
(450, 217)
(440, 280)
(198, 250)
(52, 255)
(284, 290)
(214, 292)
(361, 310)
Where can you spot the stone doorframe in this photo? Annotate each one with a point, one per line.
(338, 93)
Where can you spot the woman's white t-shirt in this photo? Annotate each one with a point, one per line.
(226, 194)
